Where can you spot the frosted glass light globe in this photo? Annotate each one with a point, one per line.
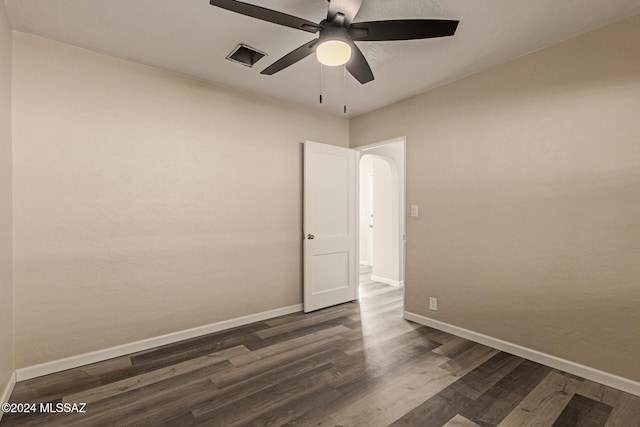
(333, 53)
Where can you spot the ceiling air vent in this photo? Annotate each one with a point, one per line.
(245, 55)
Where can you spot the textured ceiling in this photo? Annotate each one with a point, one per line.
(193, 38)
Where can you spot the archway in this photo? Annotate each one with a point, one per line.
(381, 229)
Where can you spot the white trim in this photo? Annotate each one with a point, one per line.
(587, 372)
(8, 389)
(381, 143)
(146, 344)
(386, 281)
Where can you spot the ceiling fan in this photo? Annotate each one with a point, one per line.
(335, 44)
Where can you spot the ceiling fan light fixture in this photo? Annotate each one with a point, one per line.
(333, 53)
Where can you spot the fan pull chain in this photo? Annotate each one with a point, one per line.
(344, 87)
(320, 83)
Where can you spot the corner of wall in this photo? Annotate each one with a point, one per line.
(7, 292)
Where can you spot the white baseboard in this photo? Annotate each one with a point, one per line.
(146, 344)
(587, 372)
(386, 281)
(8, 389)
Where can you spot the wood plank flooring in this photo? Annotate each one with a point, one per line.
(357, 364)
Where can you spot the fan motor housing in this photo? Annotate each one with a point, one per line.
(334, 31)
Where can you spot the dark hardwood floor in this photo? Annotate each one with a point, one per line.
(357, 364)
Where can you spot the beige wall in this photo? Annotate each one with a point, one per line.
(147, 203)
(6, 269)
(528, 181)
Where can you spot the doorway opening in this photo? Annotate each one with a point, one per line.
(381, 183)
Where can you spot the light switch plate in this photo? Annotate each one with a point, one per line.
(414, 211)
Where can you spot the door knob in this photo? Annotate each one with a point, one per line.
(310, 236)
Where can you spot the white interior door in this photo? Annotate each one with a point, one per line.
(330, 209)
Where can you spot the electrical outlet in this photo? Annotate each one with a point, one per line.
(433, 304)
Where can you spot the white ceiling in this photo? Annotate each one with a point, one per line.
(193, 38)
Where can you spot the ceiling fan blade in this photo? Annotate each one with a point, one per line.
(402, 29)
(267, 15)
(358, 65)
(349, 8)
(291, 58)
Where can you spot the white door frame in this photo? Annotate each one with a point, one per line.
(403, 201)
